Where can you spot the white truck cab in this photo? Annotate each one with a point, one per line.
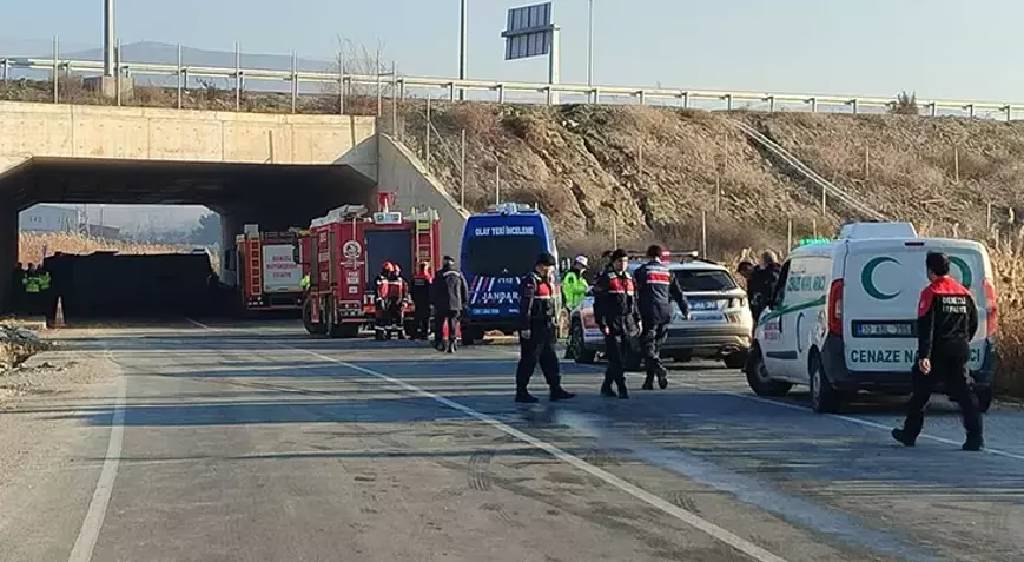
(844, 315)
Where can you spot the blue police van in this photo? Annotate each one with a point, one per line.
(500, 247)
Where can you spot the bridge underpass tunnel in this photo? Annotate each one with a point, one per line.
(273, 196)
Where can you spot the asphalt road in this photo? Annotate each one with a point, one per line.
(254, 442)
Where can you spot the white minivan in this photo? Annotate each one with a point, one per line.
(844, 315)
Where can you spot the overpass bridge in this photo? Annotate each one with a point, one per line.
(270, 169)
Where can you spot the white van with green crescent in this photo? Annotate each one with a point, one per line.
(844, 316)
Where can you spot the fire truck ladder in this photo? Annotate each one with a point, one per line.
(424, 237)
(255, 268)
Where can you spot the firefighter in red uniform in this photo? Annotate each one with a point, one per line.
(947, 320)
(616, 313)
(656, 289)
(421, 284)
(390, 301)
(538, 309)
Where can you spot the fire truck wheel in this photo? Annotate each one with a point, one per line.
(307, 320)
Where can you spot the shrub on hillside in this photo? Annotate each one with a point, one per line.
(906, 104)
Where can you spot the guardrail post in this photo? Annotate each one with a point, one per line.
(1009, 112)
(451, 91)
(853, 103)
(643, 97)
(177, 76)
(728, 102)
(501, 93)
(771, 104)
(56, 91)
(814, 104)
(6, 70)
(970, 110)
(934, 109)
(551, 95)
(597, 96)
(684, 99)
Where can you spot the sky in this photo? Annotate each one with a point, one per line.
(962, 49)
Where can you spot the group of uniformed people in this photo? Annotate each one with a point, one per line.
(442, 294)
(626, 306)
(32, 289)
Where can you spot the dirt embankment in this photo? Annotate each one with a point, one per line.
(646, 173)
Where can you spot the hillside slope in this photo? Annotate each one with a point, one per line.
(647, 172)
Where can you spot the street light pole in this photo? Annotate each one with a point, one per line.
(108, 39)
(463, 45)
(590, 48)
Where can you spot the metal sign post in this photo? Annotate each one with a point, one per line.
(530, 33)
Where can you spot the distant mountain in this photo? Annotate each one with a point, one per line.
(33, 47)
(165, 53)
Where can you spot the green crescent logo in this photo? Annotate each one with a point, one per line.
(867, 279)
(965, 271)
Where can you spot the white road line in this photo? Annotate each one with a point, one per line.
(197, 323)
(90, 530)
(850, 419)
(691, 519)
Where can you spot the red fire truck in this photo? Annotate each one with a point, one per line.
(270, 268)
(350, 247)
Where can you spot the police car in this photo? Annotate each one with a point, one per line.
(719, 326)
(844, 316)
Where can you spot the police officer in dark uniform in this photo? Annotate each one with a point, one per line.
(538, 309)
(616, 313)
(947, 320)
(450, 297)
(421, 287)
(656, 288)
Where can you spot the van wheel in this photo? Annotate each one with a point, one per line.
(759, 379)
(824, 398)
(984, 394)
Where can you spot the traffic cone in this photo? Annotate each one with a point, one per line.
(58, 316)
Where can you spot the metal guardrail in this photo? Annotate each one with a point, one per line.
(830, 190)
(684, 98)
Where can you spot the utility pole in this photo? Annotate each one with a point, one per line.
(463, 45)
(108, 39)
(590, 48)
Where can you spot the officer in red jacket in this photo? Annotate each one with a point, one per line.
(947, 320)
(538, 309)
(617, 314)
(421, 284)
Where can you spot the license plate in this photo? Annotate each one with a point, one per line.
(902, 329)
(702, 305)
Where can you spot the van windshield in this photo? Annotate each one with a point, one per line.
(502, 255)
(707, 280)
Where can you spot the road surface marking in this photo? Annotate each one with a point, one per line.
(851, 419)
(197, 323)
(93, 522)
(691, 519)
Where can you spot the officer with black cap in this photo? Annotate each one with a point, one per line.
(617, 314)
(538, 309)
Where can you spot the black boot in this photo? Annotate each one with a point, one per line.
(621, 385)
(902, 436)
(606, 390)
(451, 346)
(662, 379)
(559, 393)
(648, 383)
(974, 443)
(524, 397)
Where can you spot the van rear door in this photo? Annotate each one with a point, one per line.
(882, 284)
